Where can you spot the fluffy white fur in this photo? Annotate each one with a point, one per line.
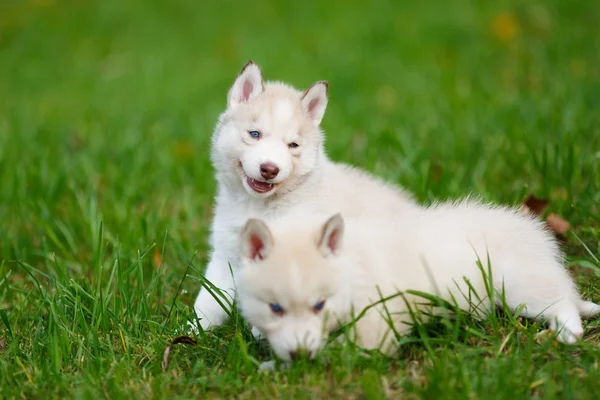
(306, 178)
(300, 260)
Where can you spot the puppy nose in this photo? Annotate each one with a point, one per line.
(269, 170)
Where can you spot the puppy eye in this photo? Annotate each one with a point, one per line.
(293, 145)
(319, 306)
(276, 308)
(254, 134)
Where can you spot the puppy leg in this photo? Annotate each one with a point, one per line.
(208, 310)
(587, 309)
(566, 322)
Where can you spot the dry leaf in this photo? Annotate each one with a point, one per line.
(557, 224)
(167, 354)
(534, 205)
(2, 344)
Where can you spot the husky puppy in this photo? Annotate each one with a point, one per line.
(268, 154)
(303, 276)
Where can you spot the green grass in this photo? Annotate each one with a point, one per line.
(106, 188)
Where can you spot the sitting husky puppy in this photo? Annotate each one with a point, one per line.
(268, 153)
(303, 277)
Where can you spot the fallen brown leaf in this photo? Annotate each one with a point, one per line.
(534, 205)
(179, 339)
(557, 224)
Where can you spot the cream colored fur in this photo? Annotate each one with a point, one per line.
(307, 179)
(349, 264)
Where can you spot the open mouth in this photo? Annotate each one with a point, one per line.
(258, 186)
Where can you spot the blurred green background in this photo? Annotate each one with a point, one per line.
(114, 102)
(107, 108)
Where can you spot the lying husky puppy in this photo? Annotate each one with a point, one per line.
(302, 277)
(268, 153)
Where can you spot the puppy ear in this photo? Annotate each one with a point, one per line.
(257, 240)
(314, 101)
(331, 235)
(248, 84)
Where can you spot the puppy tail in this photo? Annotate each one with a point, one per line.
(587, 309)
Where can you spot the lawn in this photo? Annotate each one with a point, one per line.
(106, 187)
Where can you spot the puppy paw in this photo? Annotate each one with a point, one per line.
(192, 326)
(271, 366)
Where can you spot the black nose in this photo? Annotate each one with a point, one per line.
(269, 170)
(297, 355)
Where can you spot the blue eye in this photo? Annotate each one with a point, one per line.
(293, 145)
(254, 134)
(319, 306)
(276, 308)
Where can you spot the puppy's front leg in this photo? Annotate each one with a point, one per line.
(208, 310)
(272, 366)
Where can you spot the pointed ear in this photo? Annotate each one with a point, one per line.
(331, 235)
(314, 101)
(248, 84)
(256, 240)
